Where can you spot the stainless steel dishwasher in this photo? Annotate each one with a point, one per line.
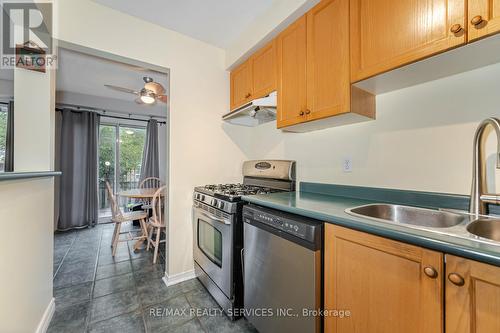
(282, 267)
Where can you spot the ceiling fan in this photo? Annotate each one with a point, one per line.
(149, 94)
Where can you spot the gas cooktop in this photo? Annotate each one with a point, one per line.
(233, 192)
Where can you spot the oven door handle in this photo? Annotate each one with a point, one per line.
(215, 218)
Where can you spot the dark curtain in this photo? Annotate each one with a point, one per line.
(9, 140)
(78, 159)
(150, 160)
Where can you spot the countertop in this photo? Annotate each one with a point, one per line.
(331, 208)
(7, 176)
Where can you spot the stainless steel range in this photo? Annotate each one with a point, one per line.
(218, 228)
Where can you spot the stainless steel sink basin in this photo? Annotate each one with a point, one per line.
(485, 228)
(409, 215)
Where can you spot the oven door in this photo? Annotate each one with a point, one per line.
(213, 248)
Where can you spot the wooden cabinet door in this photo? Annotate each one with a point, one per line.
(382, 283)
(484, 18)
(264, 70)
(474, 306)
(386, 34)
(292, 74)
(328, 76)
(241, 84)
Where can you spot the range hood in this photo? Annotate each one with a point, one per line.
(256, 112)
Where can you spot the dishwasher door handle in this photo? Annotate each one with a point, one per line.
(242, 257)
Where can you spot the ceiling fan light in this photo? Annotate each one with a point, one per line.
(148, 98)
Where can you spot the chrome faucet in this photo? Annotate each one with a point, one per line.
(479, 198)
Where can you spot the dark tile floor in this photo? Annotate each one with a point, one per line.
(98, 293)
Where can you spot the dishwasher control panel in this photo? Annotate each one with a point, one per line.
(298, 226)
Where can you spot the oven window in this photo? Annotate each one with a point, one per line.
(210, 242)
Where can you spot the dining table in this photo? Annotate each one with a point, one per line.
(140, 193)
(145, 194)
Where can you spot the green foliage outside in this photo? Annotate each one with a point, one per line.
(3, 135)
(131, 147)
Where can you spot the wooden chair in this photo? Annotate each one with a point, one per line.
(117, 217)
(150, 182)
(156, 222)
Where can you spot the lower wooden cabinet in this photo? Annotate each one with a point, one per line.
(472, 296)
(387, 286)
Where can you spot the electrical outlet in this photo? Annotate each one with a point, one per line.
(347, 164)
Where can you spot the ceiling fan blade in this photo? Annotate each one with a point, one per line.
(155, 87)
(162, 98)
(122, 89)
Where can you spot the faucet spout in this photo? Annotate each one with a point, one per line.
(478, 206)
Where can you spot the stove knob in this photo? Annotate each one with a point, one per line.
(214, 202)
(221, 204)
(203, 198)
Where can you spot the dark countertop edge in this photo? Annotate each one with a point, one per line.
(429, 243)
(4, 176)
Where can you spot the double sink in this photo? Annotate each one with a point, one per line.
(460, 224)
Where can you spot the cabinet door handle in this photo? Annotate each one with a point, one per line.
(248, 95)
(477, 20)
(456, 279)
(431, 272)
(456, 28)
(308, 111)
(301, 113)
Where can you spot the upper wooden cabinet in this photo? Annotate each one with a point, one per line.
(328, 79)
(264, 70)
(386, 34)
(484, 18)
(387, 286)
(292, 86)
(313, 70)
(472, 296)
(241, 85)
(255, 78)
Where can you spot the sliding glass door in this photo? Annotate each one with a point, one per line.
(120, 159)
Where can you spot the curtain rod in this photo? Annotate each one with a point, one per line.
(103, 113)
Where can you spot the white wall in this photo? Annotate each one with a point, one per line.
(201, 149)
(6, 89)
(26, 208)
(421, 139)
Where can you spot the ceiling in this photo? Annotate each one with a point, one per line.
(86, 75)
(217, 22)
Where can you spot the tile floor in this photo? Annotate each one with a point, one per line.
(95, 292)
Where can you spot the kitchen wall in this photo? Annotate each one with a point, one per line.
(202, 149)
(26, 210)
(421, 139)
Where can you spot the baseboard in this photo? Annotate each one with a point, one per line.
(47, 317)
(170, 280)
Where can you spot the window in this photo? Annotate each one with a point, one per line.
(3, 134)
